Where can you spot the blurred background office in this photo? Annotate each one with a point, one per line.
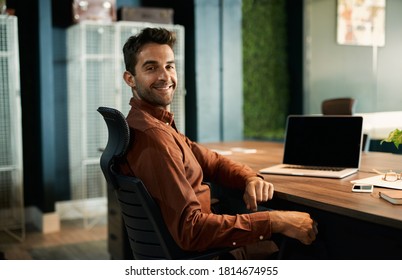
(247, 65)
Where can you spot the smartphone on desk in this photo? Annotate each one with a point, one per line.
(364, 188)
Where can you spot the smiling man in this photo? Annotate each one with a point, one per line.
(154, 78)
(174, 169)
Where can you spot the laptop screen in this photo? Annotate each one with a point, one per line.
(332, 141)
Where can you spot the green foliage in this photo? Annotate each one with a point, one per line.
(265, 76)
(394, 136)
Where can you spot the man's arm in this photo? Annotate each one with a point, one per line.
(298, 225)
(225, 172)
(221, 170)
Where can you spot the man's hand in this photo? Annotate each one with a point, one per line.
(257, 190)
(294, 224)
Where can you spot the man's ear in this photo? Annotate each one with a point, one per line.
(129, 79)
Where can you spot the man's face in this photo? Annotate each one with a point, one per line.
(156, 78)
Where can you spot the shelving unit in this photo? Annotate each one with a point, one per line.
(12, 219)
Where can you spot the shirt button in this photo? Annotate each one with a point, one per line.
(261, 237)
(234, 243)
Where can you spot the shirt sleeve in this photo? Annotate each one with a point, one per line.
(221, 170)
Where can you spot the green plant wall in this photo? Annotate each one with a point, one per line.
(265, 77)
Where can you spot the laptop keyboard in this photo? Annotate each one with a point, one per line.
(314, 167)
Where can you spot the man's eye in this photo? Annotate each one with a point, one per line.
(151, 68)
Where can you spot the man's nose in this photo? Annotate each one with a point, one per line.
(163, 74)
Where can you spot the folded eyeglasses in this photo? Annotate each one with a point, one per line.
(392, 176)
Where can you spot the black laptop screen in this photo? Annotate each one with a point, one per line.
(333, 141)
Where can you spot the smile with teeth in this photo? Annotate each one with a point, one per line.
(164, 87)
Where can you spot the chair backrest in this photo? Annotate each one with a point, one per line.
(118, 141)
(338, 106)
(343, 106)
(147, 232)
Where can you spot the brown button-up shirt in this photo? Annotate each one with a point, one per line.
(173, 168)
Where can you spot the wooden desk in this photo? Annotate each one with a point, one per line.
(332, 200)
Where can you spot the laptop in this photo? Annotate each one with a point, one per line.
(321, 146)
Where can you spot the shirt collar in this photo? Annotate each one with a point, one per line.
(158, 113)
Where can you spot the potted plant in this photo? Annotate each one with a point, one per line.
(394, 136)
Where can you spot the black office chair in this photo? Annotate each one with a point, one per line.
(343, 106)
(147, 232)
